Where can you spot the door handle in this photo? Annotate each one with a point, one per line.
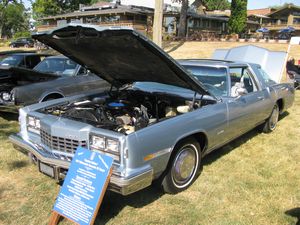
(260, 98)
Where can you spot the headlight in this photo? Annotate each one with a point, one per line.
(33, 124)
(6, 96)
(106, 145)
(112, 145)
(98, 142)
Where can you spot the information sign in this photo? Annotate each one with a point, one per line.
(84, 186)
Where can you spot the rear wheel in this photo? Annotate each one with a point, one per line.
(183, 168)
(271, 122)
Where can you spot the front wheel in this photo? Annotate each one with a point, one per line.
(183, 168)
(271, 122)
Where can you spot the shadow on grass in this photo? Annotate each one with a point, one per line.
(218, 153)
(7, 128)
(17, 164)
(9, 116)
(113, 203)
(283, 115)
(294, 213)
(175, 47)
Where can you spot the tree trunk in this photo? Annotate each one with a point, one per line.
(183, 19)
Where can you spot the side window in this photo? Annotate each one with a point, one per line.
(241, 81)
(32, 61)
(23, 62)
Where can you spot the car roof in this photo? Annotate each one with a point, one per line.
(27, 54)
(212, 63)
(57, 57)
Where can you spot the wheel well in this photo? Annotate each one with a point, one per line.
(52, 96)
(280, 104)
(200, 137)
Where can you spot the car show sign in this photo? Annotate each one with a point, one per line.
(83, 189)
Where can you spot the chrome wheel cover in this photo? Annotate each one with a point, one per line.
(185, 165)
(274, 118)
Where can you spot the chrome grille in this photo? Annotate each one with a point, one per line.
(61, 144)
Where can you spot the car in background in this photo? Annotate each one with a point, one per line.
(22, 42)
(4, 54)
(23, 59)
(54, 77)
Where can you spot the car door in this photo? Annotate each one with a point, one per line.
(246, 110)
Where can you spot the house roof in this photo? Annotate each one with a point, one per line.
(101, 9)
(259, 16)
(212, 17)
(264, 11)
(285, 8)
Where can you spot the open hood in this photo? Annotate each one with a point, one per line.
(118, 55)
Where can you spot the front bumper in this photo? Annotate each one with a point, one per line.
(122, 185)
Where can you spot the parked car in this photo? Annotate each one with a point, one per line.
(54, 77)
(158, 120)
(23, 59)
(4, 54)
(22, 42)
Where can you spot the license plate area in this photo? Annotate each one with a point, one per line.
(46, 169)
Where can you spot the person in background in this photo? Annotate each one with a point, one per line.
(293, 71)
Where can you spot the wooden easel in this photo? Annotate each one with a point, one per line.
(55, 217)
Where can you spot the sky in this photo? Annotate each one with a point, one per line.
(252, 4)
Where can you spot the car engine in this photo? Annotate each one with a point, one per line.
(125, 111)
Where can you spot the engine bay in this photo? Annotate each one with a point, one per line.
(127, 111)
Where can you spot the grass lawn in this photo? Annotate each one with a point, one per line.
(253, 180)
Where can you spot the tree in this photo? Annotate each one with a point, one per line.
(216, 4)
(182, 27)
(238, 19)
(43, 8)
(14, 18)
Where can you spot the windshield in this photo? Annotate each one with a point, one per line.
(13, 60)
(213, 78)
(61, 66)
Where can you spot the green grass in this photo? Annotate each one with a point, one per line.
(253, 180)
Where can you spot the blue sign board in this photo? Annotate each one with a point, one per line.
(82, 189)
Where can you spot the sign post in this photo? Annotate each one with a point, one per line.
(83, 189)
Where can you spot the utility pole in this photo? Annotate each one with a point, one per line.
(158, 21)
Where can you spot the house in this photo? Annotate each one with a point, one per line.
(141, 18)
(103, 14)
(259, 15)
(288, 15)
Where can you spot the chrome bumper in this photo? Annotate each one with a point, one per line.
(124, 186)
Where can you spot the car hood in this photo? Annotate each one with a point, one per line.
(118, 55)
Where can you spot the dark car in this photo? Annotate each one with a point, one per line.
(4, 54)
(54, 77)
(26, 60)
(22, 42)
